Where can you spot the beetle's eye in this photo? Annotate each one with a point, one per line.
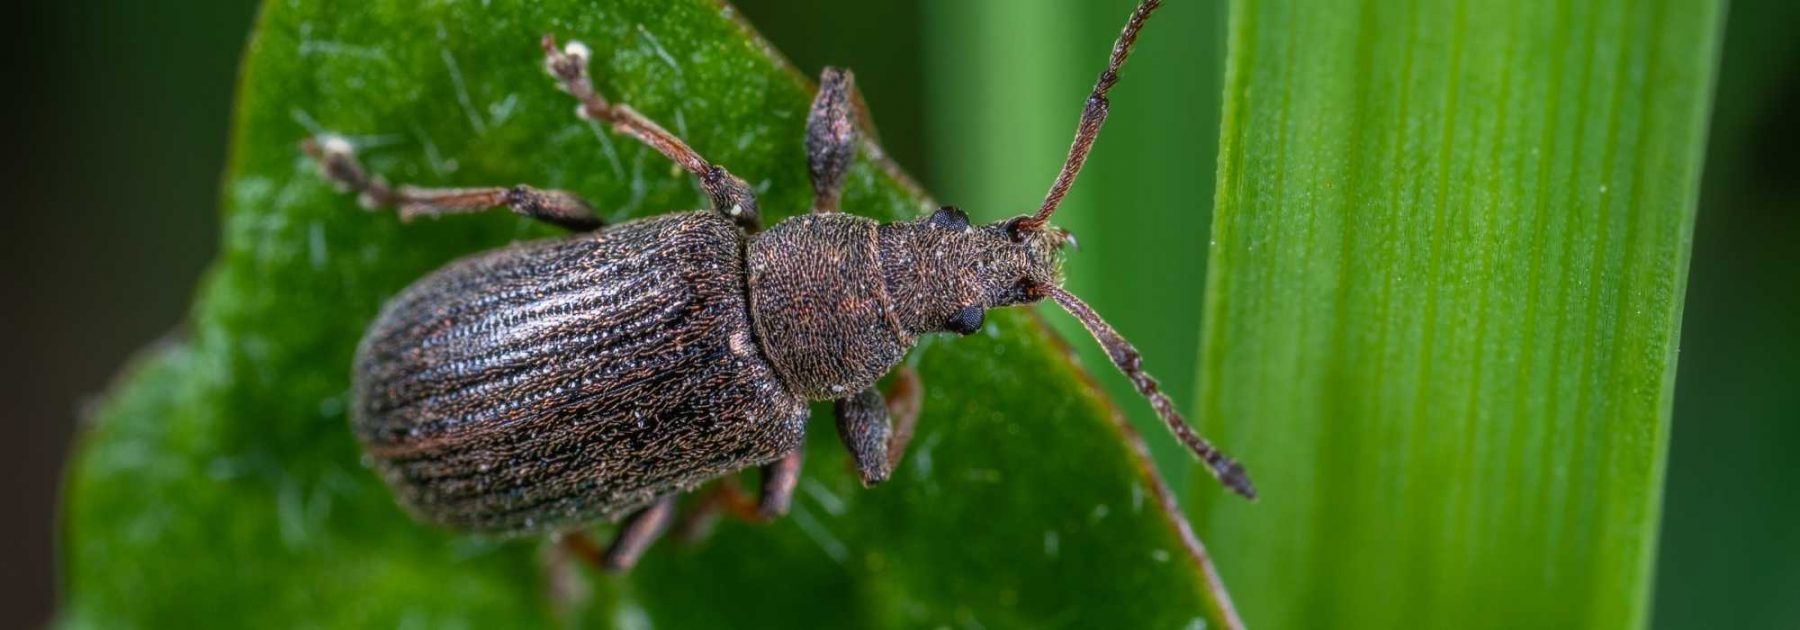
(966, 320)
(949, 218)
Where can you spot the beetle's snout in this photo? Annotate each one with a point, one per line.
(1042, 248)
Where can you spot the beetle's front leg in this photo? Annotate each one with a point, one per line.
(830, 137)
(876, 428)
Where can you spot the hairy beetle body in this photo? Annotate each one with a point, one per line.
(558, 382)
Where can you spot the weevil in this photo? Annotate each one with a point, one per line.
(552, 384)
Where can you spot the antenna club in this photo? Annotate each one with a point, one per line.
(1233, 476)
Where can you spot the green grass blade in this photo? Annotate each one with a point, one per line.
(220, 486)
(1451, 248)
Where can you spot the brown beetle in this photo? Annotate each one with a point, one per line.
(554, 383)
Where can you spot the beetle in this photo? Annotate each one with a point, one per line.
(552, 384)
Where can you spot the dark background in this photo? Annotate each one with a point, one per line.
(117, 114)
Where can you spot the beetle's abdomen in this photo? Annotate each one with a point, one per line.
(557, 382)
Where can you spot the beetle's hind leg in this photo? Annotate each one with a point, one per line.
(730, 195)
(337, 159)
(876, 427)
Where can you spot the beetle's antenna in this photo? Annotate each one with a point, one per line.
(1092, 116)
(1228, 471)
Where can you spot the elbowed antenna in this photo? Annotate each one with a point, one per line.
(1092, 116)
(1123, 355)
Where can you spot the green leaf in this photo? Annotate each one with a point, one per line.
(1452, 243)
(219, 485)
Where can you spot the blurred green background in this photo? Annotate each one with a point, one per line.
(118, 134)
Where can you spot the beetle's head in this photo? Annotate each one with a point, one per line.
(944, 273)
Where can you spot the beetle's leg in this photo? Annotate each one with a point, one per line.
(904, 398)
(831, 137)
(577, 544)
(562, 582)
(636, 534)
(730, 195)
(722, 497)
(337, 160)
(779, 478)
(876, 428)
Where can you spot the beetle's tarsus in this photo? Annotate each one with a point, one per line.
(336, 158)
(569, 66)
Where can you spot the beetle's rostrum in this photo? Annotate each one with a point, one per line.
(550, 384)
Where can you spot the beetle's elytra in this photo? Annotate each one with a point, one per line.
(550, 384)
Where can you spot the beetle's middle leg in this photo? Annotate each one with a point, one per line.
(635, 535)
(338, 161)
(730, 195)
(779, 480)
(876, 428)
